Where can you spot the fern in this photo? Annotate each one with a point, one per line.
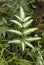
(23, 31)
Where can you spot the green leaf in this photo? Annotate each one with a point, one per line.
(24, 62)
(29, 44)
(3, 29)
(33, 39)
(13, 58)
(26, 19)
(15, 31)
(17, 41)
(28, 31)
(4, 20)
(22, 14)
(23, 46)
(16, 22)
(18, 18)
(26, 24)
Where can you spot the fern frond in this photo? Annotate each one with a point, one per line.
(16, 41)
(22, 13)
(28, 31)
(29, 44)
(16, 22)
(26, 24)
(33, 39)
(15, 32)
(26, 19)
(18, 18)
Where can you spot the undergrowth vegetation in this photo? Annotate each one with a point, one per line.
(19, 42)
